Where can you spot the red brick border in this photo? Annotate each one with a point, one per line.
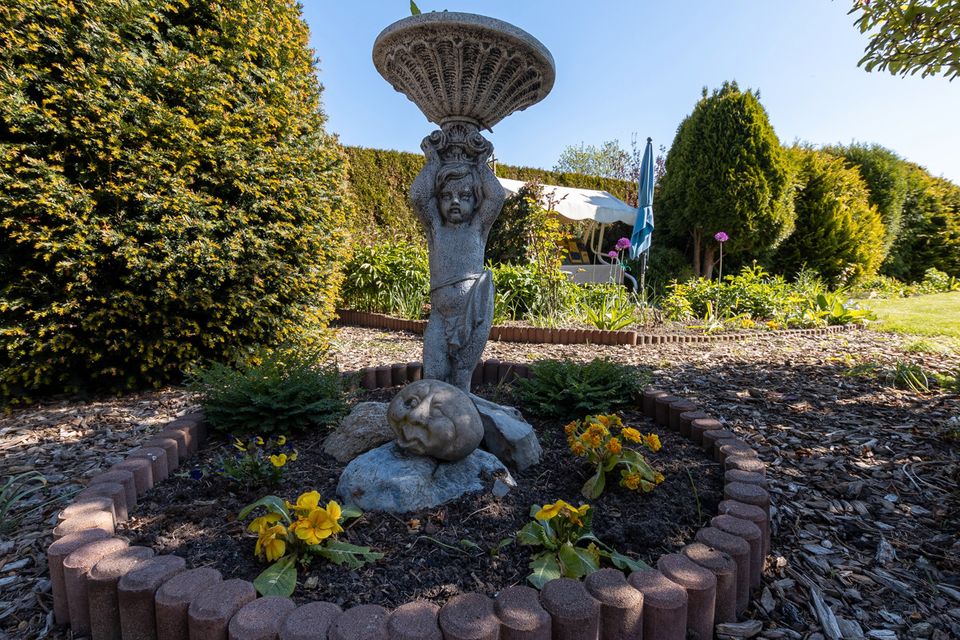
(165, 600)
(546, 335)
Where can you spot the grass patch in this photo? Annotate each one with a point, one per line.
(933, 315)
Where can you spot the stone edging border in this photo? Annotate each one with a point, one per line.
(104, 587)
(546, 335)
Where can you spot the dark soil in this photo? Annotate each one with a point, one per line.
(438, 553)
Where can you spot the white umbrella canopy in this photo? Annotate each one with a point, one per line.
(582, 204)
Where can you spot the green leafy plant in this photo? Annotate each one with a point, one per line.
(835, 309)
(908, 375)
(948, 381)
(257, 462)
(389, 278)
(604, 441)
(561, 530)
(616, 310)
(559, 388)
(14, 491)
(276, 392)
(289, 534)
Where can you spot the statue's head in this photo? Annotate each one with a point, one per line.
(458, 193)
(433, 418)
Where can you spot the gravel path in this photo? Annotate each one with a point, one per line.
(864, 480)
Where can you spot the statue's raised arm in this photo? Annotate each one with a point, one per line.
(492, 201)
(422, 198)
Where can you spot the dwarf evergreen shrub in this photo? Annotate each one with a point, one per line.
(568, 389)
(167, 191)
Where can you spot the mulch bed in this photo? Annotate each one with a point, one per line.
(437, 553)
(838, 448)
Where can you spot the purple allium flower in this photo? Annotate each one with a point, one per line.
(623, 243)
(612, 254)
(721, 236)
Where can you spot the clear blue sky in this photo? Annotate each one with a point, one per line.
(638, 66)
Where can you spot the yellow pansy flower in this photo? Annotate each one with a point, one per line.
(272, 542)
(320, 524)
(577, 448)
(658, 477)
(281, 440)
(631, 434)
(259, 441)
(569, 427)
(259, 524)
(278, 461)
(306, 503)
(293, 456)
(632, 481)
(551, 511)
(238, 443)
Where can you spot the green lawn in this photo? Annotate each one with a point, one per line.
(933, 315)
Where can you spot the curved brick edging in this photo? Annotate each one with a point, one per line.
(137, 595)
(546, 335)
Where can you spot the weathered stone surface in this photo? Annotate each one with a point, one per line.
(469, 616)
(387, 479)
(621, 606)
(261, 619)
(211, 609)
(521, 615)
(365, 428)
(102, 590)
(174, 597)
(436, 419)
(136, 592)
(487, 54)
(365, 622)
(574, 612)
(508, 436)
(56, 552)
(310, 621)
(76, 573)
(414, 621)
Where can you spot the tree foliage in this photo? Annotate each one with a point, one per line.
(930, 234)
(839, 233)
(167, 191)
(726, 171)
(886, 176)
(910, 36)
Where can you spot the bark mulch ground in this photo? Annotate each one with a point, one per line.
(864, 476)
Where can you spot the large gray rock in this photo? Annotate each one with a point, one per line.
(387, 479)
(365, 428)
(507, 435)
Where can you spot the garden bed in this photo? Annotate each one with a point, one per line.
(437, 553)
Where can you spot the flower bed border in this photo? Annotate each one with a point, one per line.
(547, 335)
(664, 607)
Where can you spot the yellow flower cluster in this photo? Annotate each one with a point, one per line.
(634, 481)
(595, 435)
(313, 524)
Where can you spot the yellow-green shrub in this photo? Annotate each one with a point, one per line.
(167, 191)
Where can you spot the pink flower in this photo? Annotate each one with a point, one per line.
(721, 236)
(612, 254)
(623, 243)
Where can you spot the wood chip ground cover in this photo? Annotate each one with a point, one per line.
(865, 485)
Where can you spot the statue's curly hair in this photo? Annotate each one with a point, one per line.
(455, 171)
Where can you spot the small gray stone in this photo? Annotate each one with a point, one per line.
(507, 435)
(500, 488)
(746, 629)
(365, 428)
(387, 479)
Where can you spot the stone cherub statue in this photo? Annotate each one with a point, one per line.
(457, 198)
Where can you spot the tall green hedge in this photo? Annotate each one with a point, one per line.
(380, 180)
(167, 190)
(838, 233)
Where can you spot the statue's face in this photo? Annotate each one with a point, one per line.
(433, 418)
(456, 200)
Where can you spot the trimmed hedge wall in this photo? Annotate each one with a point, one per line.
(168, 193)
(380, 179)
